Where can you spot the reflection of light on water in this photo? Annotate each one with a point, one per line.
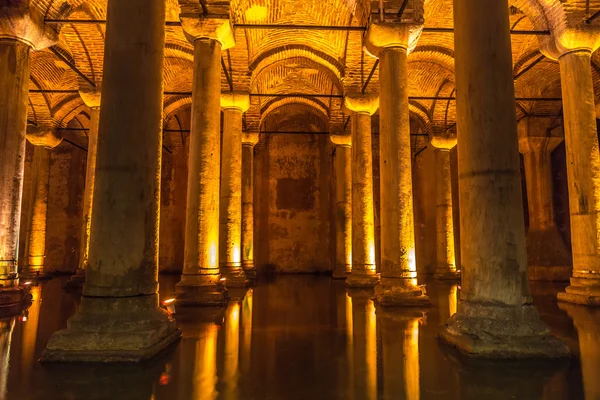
(371, 338)
(411, 360)
(206, 373)
(350, 345)
(232, 341)
(6, 330)
(453, 299)
(29, 329)
(247, 329)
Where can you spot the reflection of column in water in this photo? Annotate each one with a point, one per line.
(587, 322)
(349, 346)
(6, 330)
(453, 299)
(232, 342)
(364, 345)
(206, 364)
(29, 334)
(400, 343)
(371, 357)
(247, 331)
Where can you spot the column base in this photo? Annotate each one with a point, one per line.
(362, 279)
(400, 292)
(582, 291)
(549, 273)
(488, 330)
(341, 271)
(446, 274)
(113, 329)
(77, 281)
(193, 291)
(13, 300)
(234, 275)
(38, 275)
(249, 270)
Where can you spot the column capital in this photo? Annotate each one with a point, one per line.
(443, 142)
(250, 138)
(219, 29)
(18, 21)
(341, 140)
(538, 134)
(44, 136)
(383, 35)
(235, 100)
(91, 98)
(361, 103)
(564, 39)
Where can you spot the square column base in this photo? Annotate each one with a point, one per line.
(494, 331)
(234, 275)
(582, 291)
(447, 275)
(192, 290)
(359, 280)
(400, 292)
(112, 329)
(249, 270)
(341, 271)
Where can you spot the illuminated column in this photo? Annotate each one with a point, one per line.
(583, 174)
(200, 279)
(446, 261)
(92, 100)
(398, 285)
(548, 258)
(44, 139)
(495, 316)
(587, 322)
(343, 205)
(19, 35)
(234, 104)
(361, 108)
(119, 318)
(249, 140)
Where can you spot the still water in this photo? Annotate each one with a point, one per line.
(300, 337)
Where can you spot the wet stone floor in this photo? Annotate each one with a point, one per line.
(300, 337)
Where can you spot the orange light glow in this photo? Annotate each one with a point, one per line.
(411, 360)
(205, 375)
(453, 299)
(256, 13)
(213, 255)
(371, 337)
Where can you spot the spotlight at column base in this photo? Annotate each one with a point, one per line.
(446, 274)
(111, 329)
(400, 292)
(362, 279)
(582, 291)
(341, 271)
(549, 273)
(501, 332)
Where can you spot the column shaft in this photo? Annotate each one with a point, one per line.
(119, 318)
(14, 90)
(248, 210)
(343, 211)
(38, 212)
(200, 278)
(363, 217)
(495, 317)
(446, 261)
(583, 173)
(231, 199)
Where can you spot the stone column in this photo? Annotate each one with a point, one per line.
(363, 274)
(234, 104)
(19, 35)
(392, 42)
(343, 205)
(119, 318)
(444, 221)
(548, 258)
(44, 139)
(583, 174)
(200, 281)
(495, 316)
(249, 140)
(93, 101)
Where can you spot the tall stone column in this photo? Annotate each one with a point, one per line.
(200, 280)
(392, 42)
(444, 221)
(20, 33)
(119, 318)
(583, 174)
(548, 258)
(249, 140)
(234, 104)
(495, 316)
(343, 205)
(44, 139)
(93, 101)
(363, 274)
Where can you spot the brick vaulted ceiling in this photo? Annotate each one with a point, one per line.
(293, 61)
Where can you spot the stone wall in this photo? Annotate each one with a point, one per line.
(293, 195)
